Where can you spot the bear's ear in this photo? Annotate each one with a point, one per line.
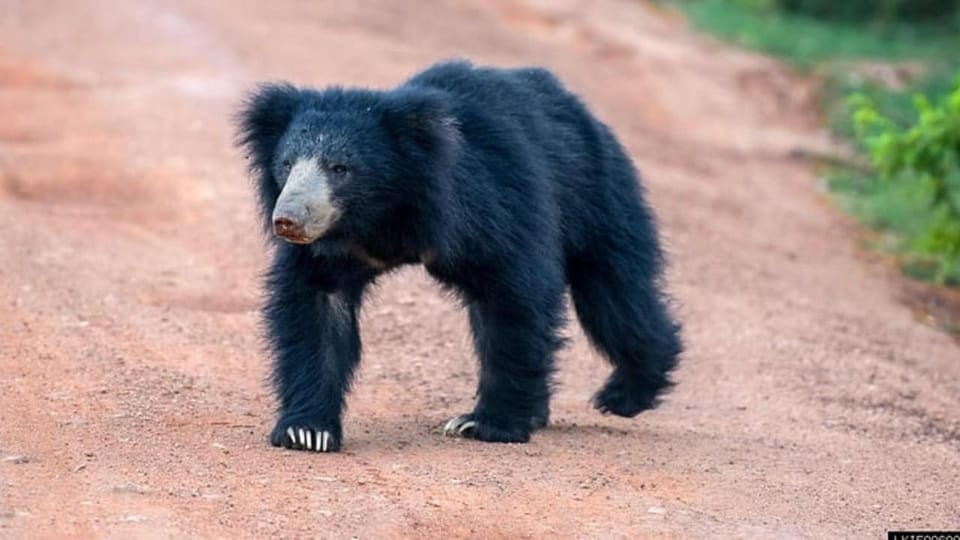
(261, 122)
(263, 118)
(422, 121)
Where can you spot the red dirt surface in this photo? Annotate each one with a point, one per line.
(133, 400)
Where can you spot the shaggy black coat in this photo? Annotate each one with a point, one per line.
(508, 190)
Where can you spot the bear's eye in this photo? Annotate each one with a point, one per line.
(287, 164)
(338, 169)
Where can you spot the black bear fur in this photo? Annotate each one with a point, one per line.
(508, 190)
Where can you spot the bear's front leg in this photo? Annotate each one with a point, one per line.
(516, 345)
(316, 342)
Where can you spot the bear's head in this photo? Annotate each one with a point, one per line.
(347, 162)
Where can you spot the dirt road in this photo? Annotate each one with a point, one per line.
(133, 400)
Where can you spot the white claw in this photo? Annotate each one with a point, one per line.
(457, 425)
(301, 437)
(451, 427)
(290, 434)
(309, 439)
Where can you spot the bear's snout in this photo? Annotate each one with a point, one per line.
(304, 210)
(289, 229)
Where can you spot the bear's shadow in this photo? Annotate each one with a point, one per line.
(407, 435)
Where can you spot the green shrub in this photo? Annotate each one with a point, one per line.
(921, 162)
(874, 10)
(808, 41)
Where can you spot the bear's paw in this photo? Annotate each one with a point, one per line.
(470, 426)
(304, 436)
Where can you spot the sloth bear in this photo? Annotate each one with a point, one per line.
(506, 188)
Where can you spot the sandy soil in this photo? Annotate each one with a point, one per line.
(133, 400)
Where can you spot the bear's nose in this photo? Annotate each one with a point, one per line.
(287, 228)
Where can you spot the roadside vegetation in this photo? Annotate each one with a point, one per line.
(891, 72)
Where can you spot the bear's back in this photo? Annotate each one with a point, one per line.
(528, 97)
(524, 120)
(524, 111)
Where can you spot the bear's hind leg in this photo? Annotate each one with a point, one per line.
(620, 306)
(515, 345)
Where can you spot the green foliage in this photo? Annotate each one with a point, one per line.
(883, 11)
(896, 104)
(806, 41)
(921, 164)
(912, 198)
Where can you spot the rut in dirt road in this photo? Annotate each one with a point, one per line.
(133, 399)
